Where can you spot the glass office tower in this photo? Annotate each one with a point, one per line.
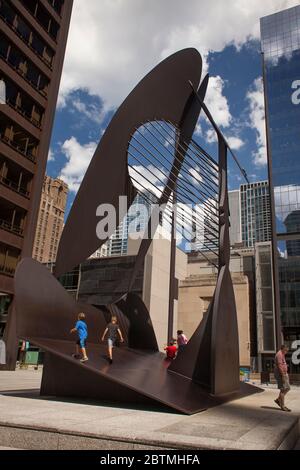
(280, 35)
(255, 213)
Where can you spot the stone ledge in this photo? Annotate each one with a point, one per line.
(36, 437)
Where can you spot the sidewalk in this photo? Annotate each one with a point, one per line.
(24, 380)
(29, 422)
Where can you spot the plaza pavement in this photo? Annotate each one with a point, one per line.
(30, 422)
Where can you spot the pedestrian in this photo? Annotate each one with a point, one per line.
(171, 350)
(113, 331)
(24, 347)
(282, 377)
(82, 334)
(181, 340)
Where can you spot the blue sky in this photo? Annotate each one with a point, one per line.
(238, 69)
(114, 43)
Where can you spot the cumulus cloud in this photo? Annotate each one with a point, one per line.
(255, 98)
(51, 156)
(91, 111)
(196, 178)
(217, 103)
(113, 43)
(234, 142)
(211, 136)
(198, 130)
(78, 159)
(148, 178)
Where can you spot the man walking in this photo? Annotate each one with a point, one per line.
(282, 377)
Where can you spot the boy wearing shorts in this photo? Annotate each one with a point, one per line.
(82, 332)
(112, 331)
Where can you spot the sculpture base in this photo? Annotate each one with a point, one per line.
(135, 377)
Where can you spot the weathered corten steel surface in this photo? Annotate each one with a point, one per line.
(211, 358)
(139, 374)
(163, 94)
(47, 311)
(207, 371)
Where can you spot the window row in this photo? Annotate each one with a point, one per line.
(23, 103)
(23, 66)
(30, 37)
(15, 177)
(9, 259)
(14, 136)
(42, 16)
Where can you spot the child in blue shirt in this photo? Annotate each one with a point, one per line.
(82, 332)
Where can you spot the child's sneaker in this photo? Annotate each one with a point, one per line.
(85, 359)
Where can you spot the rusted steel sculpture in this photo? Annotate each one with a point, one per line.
(207, 372)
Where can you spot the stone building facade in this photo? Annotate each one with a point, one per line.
(51, 220)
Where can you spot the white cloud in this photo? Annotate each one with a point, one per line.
(217, 103)
(113, 43)
(195, 178)
(148, 178)
(211, 136)
(198, 130)
(51, 156)
(255, 98)
(78, 159)
(92, 111)
(235, 143)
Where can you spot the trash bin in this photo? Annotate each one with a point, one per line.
(265, 377)
(32, 358)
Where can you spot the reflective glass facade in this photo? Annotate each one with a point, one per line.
(280, 35)
(255, 213)
(281, 48)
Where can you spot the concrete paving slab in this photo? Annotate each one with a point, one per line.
(28, 422)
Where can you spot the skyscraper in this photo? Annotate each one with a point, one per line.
(280, 35)
(33, 36)
(235, 216)
(255, 213)
(134, 222)
(51, 220)
(250, 214)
